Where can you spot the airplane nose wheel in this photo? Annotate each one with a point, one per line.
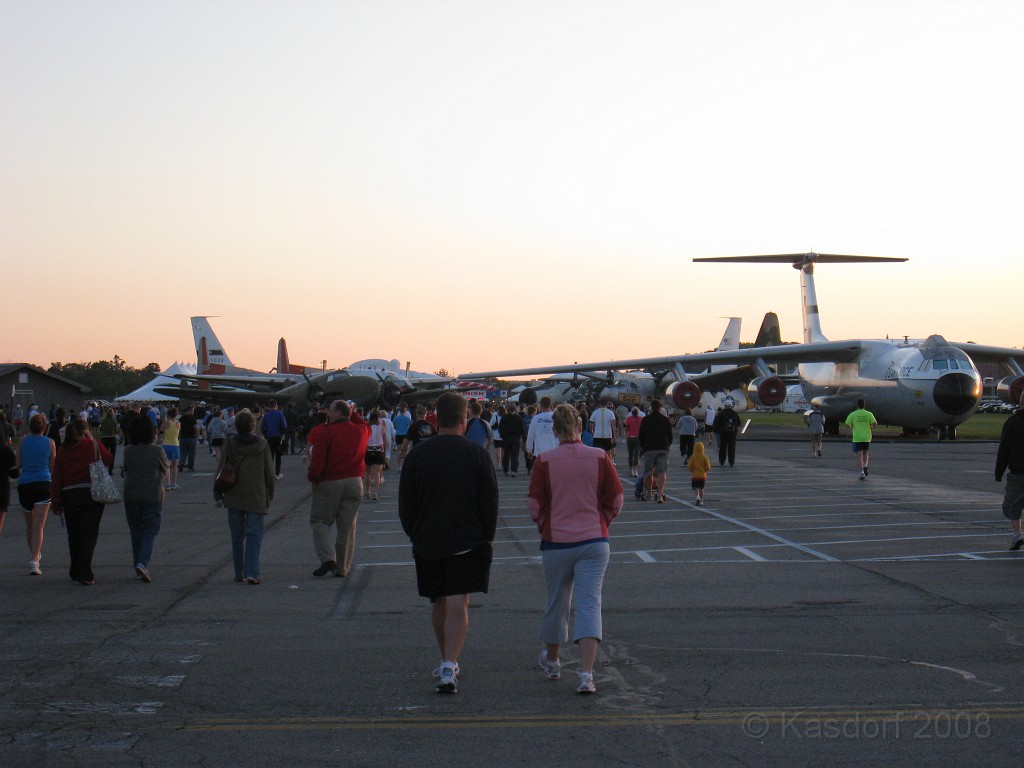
(946, 432)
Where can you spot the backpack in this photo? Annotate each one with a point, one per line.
(476, 431)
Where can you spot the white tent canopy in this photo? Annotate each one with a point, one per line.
(148, 394)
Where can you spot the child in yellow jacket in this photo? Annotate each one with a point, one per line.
(699, 466)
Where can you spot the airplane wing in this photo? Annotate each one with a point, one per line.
(817, 352)
(982, 353)
(226, 379)
(725, 380)
(429, 381)
(219, 395)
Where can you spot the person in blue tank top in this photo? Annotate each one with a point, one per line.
(36, 455)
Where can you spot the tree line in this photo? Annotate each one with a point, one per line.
(106, 378)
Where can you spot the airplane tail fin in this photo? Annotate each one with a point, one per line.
(805, 263)
(202, 357)
(283, 366)
(770, 335)
(201, 329)
(731, 338)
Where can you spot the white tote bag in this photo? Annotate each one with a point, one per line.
(101, 484)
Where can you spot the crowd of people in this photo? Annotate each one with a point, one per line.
(49, 451)
(447, 495)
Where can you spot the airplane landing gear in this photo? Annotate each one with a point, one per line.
(946, 432)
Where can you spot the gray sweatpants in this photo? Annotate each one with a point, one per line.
(1013, 501)
(581, 567)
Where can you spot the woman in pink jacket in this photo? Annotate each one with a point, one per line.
(575, 493)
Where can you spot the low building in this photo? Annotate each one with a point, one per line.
(23, 384)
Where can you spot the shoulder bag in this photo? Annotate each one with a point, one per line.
(228, 474)
(101, 484)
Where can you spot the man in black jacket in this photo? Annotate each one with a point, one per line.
(727, 427)
(1011, 457)
(448, 505)
(655, 440)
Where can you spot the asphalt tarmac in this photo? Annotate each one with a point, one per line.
(802, 617)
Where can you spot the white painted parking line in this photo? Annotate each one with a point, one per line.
(645, 557)
(749, 553)
(767, 534)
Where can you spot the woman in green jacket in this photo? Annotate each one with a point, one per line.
(249, 498)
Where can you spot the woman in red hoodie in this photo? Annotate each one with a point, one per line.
(71, 495)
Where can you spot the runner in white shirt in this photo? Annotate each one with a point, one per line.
(602, 422)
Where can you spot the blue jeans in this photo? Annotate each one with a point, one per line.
(188, 452)
(246, 540)
(144, 525)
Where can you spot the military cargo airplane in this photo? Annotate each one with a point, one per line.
(918, 385)
(626, 388)
(721, 383)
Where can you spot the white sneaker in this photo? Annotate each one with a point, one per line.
(280, 477)
(33, 568)
(437, 672)
(447, 681)
(586, 685)
(552, 669)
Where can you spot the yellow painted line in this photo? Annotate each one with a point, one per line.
(742, 718)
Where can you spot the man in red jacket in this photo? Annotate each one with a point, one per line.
(336, 470)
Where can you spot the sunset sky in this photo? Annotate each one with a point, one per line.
(479, 185)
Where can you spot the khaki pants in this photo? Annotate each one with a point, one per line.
(336, 502)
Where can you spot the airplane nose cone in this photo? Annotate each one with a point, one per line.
(956, 393)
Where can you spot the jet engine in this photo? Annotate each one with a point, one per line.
(1010, 388)
(767, 391)
(528, 396)
(684, 394)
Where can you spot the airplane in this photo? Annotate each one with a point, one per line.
(917, 385)
(723, 383)
(327, 386)
(629, 388)
(213, 360)
(366, 383)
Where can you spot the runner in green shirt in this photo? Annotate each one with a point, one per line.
(863, 423)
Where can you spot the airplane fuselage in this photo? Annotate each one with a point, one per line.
(913, 385)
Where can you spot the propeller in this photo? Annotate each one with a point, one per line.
(314, 392)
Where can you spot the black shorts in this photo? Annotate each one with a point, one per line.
(373, 457)
(455, 575)
(697, 483)
(604, 443)
(30, 494)
(399, 439)
(216, 442)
